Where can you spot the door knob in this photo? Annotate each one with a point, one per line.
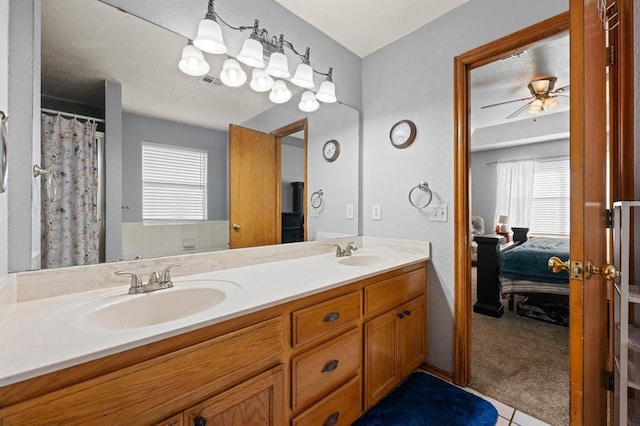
(609, 272)
(556, 265)
(236, 227)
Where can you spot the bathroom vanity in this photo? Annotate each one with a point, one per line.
(311, 340)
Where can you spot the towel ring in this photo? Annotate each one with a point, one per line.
(4, 154)
(316, 199)
(422, 186)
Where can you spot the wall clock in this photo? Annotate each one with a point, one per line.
(331, 150)
(402, 133)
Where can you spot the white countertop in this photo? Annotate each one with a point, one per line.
(45, 335)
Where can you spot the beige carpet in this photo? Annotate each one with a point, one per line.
(523, 363)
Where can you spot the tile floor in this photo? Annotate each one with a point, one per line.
(508, 416)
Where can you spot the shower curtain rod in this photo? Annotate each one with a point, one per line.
(532, 158)
(68, 114)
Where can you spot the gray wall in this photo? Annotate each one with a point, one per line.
(484, 177)
(4, 106)
(292, 156)
(137, 128)
(113, 166)
(413, 78)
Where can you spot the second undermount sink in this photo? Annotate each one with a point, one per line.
(153, 308)
(361, 260)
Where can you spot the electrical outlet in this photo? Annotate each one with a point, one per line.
(376, 213)
(349, 213)
(438, 213)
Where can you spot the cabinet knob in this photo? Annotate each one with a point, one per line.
(331, 316)
(407, 312)
(332, 419)
(401, 315)
(330, 366)
(199, 421)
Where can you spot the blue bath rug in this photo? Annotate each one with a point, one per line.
(424, 400)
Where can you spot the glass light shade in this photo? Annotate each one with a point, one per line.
(209, 38)
(308, 102)
(260, 80)
(280, 93)
(303, 76)
(278, 66)
(192, 62)
(232, 73)
(251, 53)
(550, 103)
(327, 92)
(535, 107)
(540, 86)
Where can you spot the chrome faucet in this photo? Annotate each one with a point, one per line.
(156, 281)
(347, 251)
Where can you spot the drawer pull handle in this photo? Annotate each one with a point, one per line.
(407, 312)
(331, 316)
(330, 366)
(332, 419)
(400, 315)
(199, 421)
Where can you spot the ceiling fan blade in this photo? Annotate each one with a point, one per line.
(506, 102)
(561, 89)
(520, 110)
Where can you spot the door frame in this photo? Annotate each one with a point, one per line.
(289, 129)
(463, 64)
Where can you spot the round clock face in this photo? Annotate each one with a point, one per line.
(331, 150)
(402, 134)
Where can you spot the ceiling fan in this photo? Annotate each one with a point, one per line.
(543, 97)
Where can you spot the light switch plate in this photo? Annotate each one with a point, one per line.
(376, 213)
(349, 213)
(438, 213)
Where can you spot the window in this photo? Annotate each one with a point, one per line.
(550, 203)
(174, 183)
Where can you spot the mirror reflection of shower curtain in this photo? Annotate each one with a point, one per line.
(70, 226)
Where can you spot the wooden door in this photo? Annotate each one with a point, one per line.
(588, 315)
(254, 188)
(382, 370)
(413, 335)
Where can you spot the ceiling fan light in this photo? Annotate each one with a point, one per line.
(192, 62)
(308, 102)
(232, 73)
(536, 106)
(260, 80)
(251, 53)
(209, 38)
(540, 86)
(278, 66)
(280, 93)
(327, 92)
(303, 76)
(550, 103)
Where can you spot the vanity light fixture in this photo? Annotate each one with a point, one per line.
(255, 50)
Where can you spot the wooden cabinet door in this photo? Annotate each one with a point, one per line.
(258, 401)
(382, 370)
(176, 420)
(413, 336)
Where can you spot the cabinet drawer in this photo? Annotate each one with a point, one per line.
(342, 407)
(322, 369)
(390, 293)
(326, 318)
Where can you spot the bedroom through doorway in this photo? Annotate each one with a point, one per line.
(518, 191)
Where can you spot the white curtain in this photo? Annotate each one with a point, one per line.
(515, 191)
(70, 229)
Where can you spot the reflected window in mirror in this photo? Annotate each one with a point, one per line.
(174, 183)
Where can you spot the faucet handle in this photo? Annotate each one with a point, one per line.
(165, 275)
(352, 246)
(136, 281)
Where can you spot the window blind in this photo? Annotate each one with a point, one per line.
(174, 183)
(551, 192)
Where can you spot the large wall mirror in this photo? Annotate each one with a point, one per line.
(100, 61)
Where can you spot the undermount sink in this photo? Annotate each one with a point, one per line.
(154, 308)
(361, 260)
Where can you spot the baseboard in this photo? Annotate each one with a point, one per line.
(438, 372)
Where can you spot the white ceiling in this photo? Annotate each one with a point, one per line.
(364, 26)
